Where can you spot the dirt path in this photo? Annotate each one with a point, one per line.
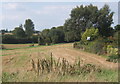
(71, 54)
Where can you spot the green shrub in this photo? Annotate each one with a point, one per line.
(98, 48)
(113, 58)
(111, 50)
(92, 33)
(11, 39)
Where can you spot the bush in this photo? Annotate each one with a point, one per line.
(11, 39)
(113, 58)
(111, 50)
(97, 47)
(92, 33)
(78, 45)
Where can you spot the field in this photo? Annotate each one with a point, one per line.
(20, 63)
(16, 46)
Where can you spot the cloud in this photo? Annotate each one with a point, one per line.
(50, 9)
(10, 6)
(44, 15)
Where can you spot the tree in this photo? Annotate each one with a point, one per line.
(117, 28)
(29, 27)
(70, 29)
(60, 28)
(83, 17)
(45, 35)
(56, 35)
(19, 32)
(116, 35)
(104, 21)
(41, 39)
(69, 36)
(3, 31)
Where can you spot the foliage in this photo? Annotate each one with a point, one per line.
(29, 27)
(69, 36)
(111, 50)
(117, 28)
(56, 36)
(3, 31)
(72, 32)
(53, 35)
(19, 32)
(98, 47)
(10, 39)
(113, 58)
(92, 33)
(116, 39)
(83, 17)
(104, 21)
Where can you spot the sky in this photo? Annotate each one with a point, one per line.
(44, 14)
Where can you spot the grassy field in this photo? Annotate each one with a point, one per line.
(22, 63)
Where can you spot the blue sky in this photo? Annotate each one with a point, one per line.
(44, 14)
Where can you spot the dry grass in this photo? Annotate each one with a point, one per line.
(17, 65)
(12, 46)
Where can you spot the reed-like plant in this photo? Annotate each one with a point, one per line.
(62, 67)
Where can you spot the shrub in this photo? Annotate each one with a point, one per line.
(97, 47)
(92, 33)
(111, 50)
(8, 39)
(11, 39)
(113, 58)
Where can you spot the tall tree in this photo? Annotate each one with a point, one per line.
(83, 17)
(29, 27)
(104, 21)
(56, 35)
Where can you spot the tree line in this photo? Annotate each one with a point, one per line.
(82, 18)
(21, 34)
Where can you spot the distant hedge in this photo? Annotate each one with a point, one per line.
(11, 39)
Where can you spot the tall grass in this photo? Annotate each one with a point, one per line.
(60, 70)
(62, 67)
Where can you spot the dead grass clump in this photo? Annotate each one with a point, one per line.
(62, 67)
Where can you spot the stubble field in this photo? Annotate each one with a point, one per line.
(17, 64)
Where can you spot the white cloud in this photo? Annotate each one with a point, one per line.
(50, 9)
(10, 6)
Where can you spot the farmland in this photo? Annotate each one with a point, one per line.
(17, 64)
(78, 44)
